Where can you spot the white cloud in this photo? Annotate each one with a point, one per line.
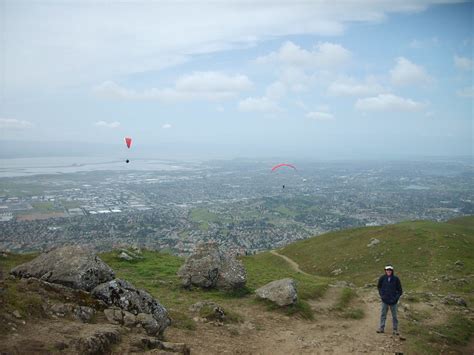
(323, 56)
(89, 41)
(388, 102)
(113, 124)
(462, 63)
(166, 126)
(11, 123)
(320, 116)
(276, 90)
(352, 87)
(212, 82)
(259, 104)
(213, 86)
(300, 104)
(418, 44)
(466, 92)
(408, 73)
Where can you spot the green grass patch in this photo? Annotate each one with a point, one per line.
(347, 295)
(11, 260)
(16, 297)
(420, 251)
(443, 338)
(299, 309)
(265, 267)
(45, 206)
(210, 314)
(457, 331)
(181, 320)
(354, 313)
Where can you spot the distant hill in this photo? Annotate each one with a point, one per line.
(428, 256)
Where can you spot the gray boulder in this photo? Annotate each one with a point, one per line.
(148, 323)
(84, 314)
(124, 295)
(209, 267)
(282, 292)
(373, 242)
(452, 299)
(70, 266)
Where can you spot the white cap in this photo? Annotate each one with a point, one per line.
(389, 267)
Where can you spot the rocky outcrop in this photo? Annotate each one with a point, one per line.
(99, 341)
(71, 266)
(208, 267)
(122, 294)
(167, 347)
(373, 242)
(282, 292)
(130, 255)
(452, 299)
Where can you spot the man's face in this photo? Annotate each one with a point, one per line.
(388, 272)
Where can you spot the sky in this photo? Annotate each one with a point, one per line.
(313, 79)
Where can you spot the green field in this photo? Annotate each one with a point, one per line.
(421, 252)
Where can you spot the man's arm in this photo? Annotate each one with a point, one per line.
(399, 288)
(379, 284)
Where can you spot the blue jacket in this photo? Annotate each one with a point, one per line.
(391, 291)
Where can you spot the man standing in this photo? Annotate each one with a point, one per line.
(390, 290)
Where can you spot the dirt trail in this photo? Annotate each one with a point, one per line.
(292, 263)
(271, 332)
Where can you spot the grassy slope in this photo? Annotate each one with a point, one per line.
(420, 251)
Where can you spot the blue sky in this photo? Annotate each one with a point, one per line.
(358, 79)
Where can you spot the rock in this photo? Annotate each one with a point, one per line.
(71, 266)
(370, 285)
(119, 316)
(99, 341)
(196, 308)
(208, 267)
(125, 256)
(373, 242)
(209, 310)
(342, 283)
(149, 323)
(84, 314)
(336, 272)
(282, 292)
(153, 343)
(16, 314)
(114, 315)
(180, 348)
(459, 263)
(129, 319)
(62, 309)
(129, 255)
(454, 300)
(124, 295)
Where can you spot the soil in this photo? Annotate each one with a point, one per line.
(262, 331)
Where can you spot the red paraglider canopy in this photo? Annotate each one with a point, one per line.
(128, 141)
(283, 164)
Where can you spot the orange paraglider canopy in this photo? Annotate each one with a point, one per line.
(128, 141)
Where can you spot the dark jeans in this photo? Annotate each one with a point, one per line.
(383, 315)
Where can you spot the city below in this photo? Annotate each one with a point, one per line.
(241, 204)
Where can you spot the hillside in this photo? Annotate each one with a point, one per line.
(332, 315)
(428, 256)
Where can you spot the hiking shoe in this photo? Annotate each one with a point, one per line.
(380, 331)
(395, 332)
